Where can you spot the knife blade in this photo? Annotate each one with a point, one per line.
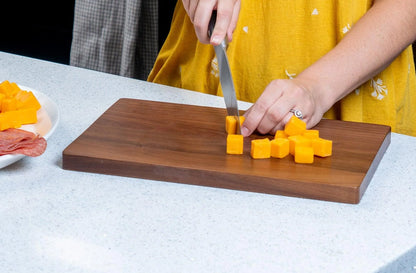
(226, 79)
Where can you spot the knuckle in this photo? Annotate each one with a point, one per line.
(274, 115)
(277, 83)
(262, 131)
(197, 24)
(225, 11)
(298, 91)
(261, 106)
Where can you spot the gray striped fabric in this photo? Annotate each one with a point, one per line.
(115, 36)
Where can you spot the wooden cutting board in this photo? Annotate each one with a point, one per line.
(187, 144)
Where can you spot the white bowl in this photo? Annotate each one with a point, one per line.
(48, 119)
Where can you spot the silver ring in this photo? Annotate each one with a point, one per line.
(296, 113)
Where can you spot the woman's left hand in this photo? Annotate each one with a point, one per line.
(273, 108)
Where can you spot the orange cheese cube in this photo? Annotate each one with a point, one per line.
(6, 122)
(304, 154)
(25, 116)
(235, 144)
(17, 106)
(26, 99)
(9, 89)
(2, 97)
(16, 118)
(231, 124)
(322, 147)
(279, 147)
(260, 148)
(280, 134)
(311, 134)
(295, 126)
(8, 104)
(5, 87)
(297, 141)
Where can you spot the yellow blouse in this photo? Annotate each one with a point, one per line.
(278, 39)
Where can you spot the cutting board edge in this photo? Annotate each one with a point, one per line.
(323, 192)
(375, 163)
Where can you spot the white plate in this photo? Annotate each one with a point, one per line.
(48, 119)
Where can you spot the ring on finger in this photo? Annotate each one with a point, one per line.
(297, 113)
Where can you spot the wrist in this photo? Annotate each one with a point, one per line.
(324, 96)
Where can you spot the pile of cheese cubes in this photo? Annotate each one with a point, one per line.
(295, 140)
(17, 106)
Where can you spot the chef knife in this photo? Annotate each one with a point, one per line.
(226, 79)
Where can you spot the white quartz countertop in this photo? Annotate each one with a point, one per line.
(54, 220)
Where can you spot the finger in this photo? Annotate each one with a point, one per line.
(234, 19)
(203, 12)
(244, 130)
(253, 117)
(256, 113)
(281, 125)
(272, 118)
(189, 7)
(279, 112)
(277, 109)
(224, 15)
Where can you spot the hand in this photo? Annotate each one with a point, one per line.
(272, 110)
(199, 11)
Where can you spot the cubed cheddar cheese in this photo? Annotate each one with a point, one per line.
(26, 99)
(279, 147)
(17, 106)
(8, 104)
(311, 134)
(235, 144)
(295, 126)
(16, 118)
(280, 134)
(8, 88)
(260, 148)
(304, 154)
(322, 147)
(231, 124)
(2, 97)
(297, 141)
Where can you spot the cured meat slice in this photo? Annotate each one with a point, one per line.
(17, 141)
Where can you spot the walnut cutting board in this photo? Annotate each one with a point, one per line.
(187, 144)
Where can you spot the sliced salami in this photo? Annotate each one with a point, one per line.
(17, 141)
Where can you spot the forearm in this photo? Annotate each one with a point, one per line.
(368, 48)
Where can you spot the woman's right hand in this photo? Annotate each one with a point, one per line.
(199, 11)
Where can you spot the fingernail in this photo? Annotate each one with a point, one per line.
(230, 37)
(216, 40)
(244, 131)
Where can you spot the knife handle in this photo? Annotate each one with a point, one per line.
(212, 22)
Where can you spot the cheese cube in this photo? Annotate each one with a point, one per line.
(231, 124)
(16, 118)
(304, 154)
(26, 99)
(280, 134)
(322, 147)
(260, 148)
(235, 144)
(297, 141)
(311, 134)
(8, 104)
(279, 147)
(295, 126)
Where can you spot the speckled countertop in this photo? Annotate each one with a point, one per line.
(53, 220)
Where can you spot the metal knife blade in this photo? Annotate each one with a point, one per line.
(226, 79)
